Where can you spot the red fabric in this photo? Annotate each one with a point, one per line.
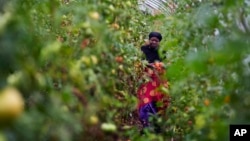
(150, 91)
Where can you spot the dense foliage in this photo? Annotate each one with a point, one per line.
(71, 68)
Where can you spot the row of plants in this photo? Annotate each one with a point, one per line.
(71, 63)
(208, 46)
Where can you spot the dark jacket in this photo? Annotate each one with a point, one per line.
(151, 54)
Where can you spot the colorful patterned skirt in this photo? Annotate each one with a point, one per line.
(152, 101)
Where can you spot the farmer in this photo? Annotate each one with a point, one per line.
(151, 100)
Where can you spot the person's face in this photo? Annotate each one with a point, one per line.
(154, 42)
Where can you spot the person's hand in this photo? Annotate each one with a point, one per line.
(146, 42)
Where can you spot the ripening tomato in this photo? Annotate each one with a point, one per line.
(227, 99)
(11, 105)
(207, 102)
(118, 59)
(190, 122)
(94, 15)
(93, 119)
(85, 43)
(158, 65)
(115, 26)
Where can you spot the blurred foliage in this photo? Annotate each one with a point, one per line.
(208, 46)
(77, 66)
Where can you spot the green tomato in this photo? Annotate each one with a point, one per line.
(108, 127)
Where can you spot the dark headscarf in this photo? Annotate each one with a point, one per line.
(155, 34)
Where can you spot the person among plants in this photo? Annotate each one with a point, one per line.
(151, 100)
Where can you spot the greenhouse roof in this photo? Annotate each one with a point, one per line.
(156, 6)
